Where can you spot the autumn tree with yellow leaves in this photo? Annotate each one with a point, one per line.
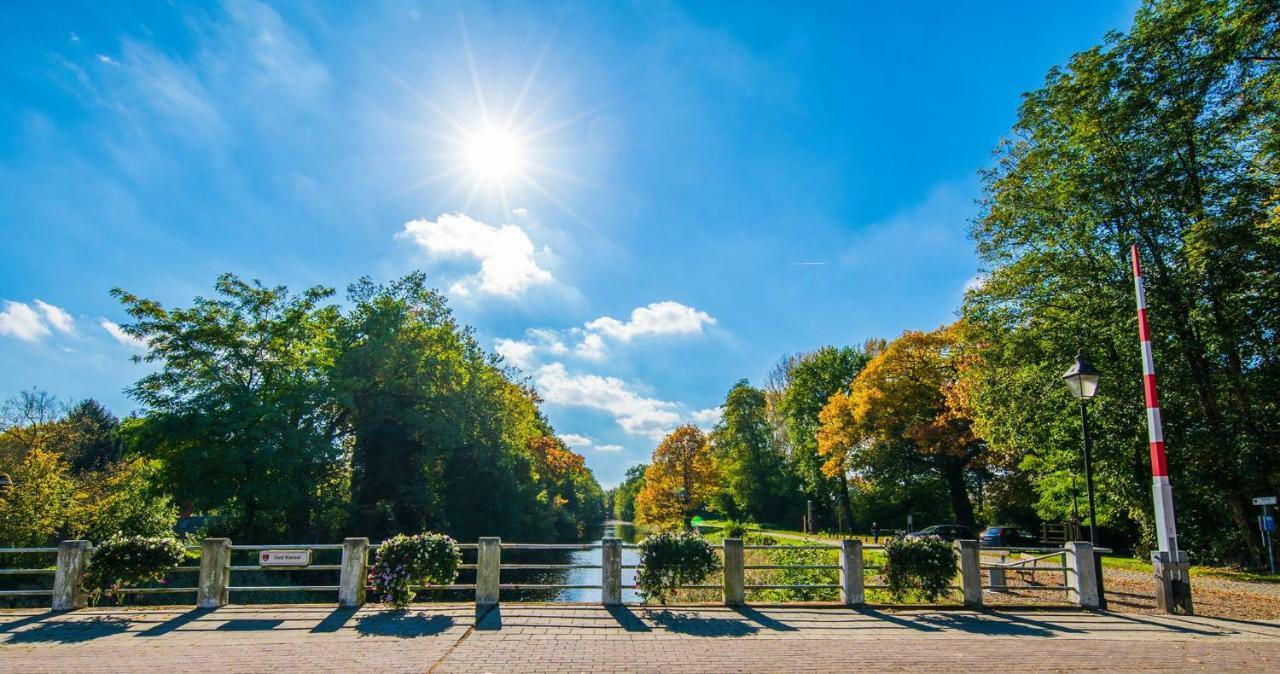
(906, 413)
(681, 479)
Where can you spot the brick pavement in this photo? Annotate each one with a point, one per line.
(528, 637)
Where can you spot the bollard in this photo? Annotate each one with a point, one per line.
(611, 572)
(351, 582)
(488, 566)
(735, 593)
(1082, 578)
(68, 578)
(851, 586)
(998, 580)
(970, 573)
(1173, 582)
(215, 573)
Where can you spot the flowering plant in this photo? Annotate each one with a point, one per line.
(121, 562)
(669, 560)
(404, 562)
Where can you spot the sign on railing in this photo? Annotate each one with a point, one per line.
(294, 558)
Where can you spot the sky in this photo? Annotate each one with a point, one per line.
(636, 203)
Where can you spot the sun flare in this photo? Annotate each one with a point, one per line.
(494, 154)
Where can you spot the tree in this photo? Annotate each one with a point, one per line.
(1164, 137)
(681, 480)
(36, 510)
(753, 469)
(815, 377)
(94, 443)
(624, 497)
(906, 412)
(239, 412)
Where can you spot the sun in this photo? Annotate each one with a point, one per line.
(494, 155)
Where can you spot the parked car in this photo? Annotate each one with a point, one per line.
(947, 532)
(1008, 537)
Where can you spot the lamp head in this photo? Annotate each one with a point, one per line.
(1082, 379)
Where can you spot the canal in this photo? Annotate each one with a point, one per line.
(630, 557)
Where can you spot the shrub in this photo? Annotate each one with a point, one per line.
(734, 529)
(121, 562)
(404, 562)
(926, 564)
(669, 560)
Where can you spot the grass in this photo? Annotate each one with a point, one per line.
(1143, 566)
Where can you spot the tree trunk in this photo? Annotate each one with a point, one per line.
(961, 506)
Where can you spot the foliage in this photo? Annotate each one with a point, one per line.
(734, 529)
(671, 559)
(812, 379)
(40, 504)
(926, 564)
(752, 466)
(681, 480)
(1164, 137)
(121, 562)
(791, 557)
(122, 500)
(906, 413)
(624, 497)
(403, 562)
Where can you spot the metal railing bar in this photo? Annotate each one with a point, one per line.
(549, 566)
(550, 546)
(290, 546)
(185, 569)
(26, 572)
(794, 586)
(18, 551)
(313, 567)
(456, 586)
(700, 587)
(26, 593)
(283, 588)
(529, 586)
(154, 590)
(791, 566)
(831, 547)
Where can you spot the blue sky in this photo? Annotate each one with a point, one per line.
(637, 203)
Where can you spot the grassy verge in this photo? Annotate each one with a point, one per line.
(1143, 566)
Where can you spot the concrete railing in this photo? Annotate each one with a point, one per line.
(217, 573)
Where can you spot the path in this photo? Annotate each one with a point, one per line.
(539, 637)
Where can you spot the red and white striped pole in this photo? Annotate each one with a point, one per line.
(1166, 529)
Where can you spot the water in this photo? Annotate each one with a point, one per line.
(630, 556)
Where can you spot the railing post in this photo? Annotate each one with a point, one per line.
(1173, 582)
(1082, 579)
(355, 562)
(735, 592)
(215, 573)
(488, 567)
(851, 588)
(999, 582)
(68, 578)
(611, 572)
(970, 573)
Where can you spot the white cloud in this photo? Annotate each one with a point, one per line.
(520, 212)
(975, 283)
(124, 338)
(516, 352)
(591, 347)
(20, 321)
(107, 60)
(578, 442)
(609, 449)
(659, 318)
(57, 317)
(505, 254)
(635, 414)
(708, 417)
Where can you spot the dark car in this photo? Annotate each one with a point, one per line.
(947, 532)
(1007, 537)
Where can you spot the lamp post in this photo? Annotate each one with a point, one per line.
(6, 484)
(1082, 380)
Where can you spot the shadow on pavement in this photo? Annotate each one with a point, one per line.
(250, 624)
(38, 617)
(489, 619)
(988, 625)
(694, 625)
(895, 620)
(335, 621)
(1164, 625)
(763, 620)
(175, 622)
(69, 631)
(403, 624)
(627, 620)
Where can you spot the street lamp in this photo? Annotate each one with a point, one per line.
(1082, 379)
(6, 484)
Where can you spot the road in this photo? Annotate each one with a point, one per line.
(560, 638)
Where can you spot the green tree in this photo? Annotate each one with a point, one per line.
(1165, 137)
(752, 467)
(681, 480)
(239, 411)
(624, 497)
(813, 378)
